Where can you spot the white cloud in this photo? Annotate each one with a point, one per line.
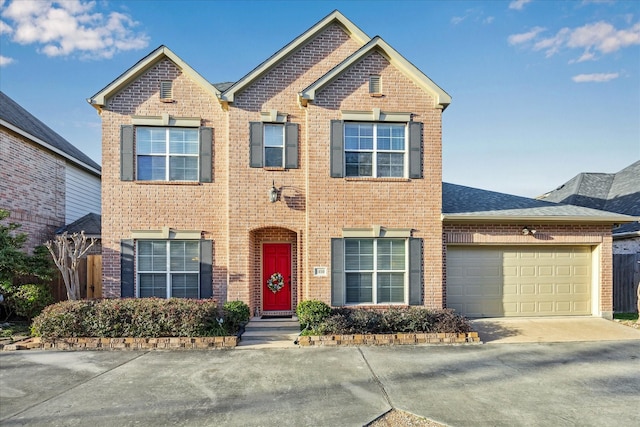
(524, 37)
(4, 61)
(518, 4)
(601, 37)
(62, 28)
(5, 28)
(457, 19)
(595, 78)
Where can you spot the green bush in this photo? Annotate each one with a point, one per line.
(411, 320)
(236, 314)
(26, 300)
(311, 312)
(134, 317)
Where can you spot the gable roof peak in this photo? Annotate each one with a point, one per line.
(442, 98)
(334, 17)
(99, 100)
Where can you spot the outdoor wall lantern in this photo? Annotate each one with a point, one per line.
(526, 230)
(273, 193)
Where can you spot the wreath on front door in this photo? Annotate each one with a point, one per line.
(275, 282)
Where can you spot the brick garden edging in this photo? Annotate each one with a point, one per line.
(389, 339)
(168, 343)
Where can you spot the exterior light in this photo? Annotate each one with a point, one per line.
(273, 193)
(526, 230)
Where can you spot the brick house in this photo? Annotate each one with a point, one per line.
(322, 164)
(45, 182)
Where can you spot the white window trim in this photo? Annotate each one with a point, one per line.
(375, 151)
(265, 146)
(375, 115)
(167, 271)
(167, 154)
(375, 271)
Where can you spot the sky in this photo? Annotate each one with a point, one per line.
(541, 90)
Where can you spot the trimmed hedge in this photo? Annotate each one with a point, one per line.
(134, 317)
(343, 321)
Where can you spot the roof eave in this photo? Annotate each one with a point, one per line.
(99, 100)
(442, 98)
(334, 17)
(51, 148)
(609, 219)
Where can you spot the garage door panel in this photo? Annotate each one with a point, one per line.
(520, 281)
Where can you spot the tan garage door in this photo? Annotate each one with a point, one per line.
(519, 281)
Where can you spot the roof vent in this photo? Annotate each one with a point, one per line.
(166, 90)
(375, 85)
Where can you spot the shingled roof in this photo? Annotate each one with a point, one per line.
(613, 192)
(19, 120)
(460, 203)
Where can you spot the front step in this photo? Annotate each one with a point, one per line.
(259, 333)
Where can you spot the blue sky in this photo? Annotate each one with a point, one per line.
(542, 90)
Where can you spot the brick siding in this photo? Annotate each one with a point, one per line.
(32, 187)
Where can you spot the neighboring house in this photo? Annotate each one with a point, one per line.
(45, 182)
(324, 164)
(612, 192)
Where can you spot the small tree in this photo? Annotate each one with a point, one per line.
(67, 251)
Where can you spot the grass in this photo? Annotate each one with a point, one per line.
(626, 316)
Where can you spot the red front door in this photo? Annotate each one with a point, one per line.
(276, 258)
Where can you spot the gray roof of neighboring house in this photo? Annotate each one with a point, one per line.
(467, 203)
(91, 224)
(12, 113)
(613, 192)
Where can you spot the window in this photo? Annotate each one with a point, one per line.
(374, 149)
(168, 268)
(274, 145)
(167, 154)
(375, 271)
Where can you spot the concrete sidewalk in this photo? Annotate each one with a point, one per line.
(558, 384)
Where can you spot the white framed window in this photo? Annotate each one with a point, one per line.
(168, 268)
(167, 154)
(375, 271)
(375, 150)
(274, 145)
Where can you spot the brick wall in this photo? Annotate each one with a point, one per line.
(128, 206)
(32, 187)
(596, 236)
(336, 203)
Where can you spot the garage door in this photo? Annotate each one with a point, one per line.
(519, 281)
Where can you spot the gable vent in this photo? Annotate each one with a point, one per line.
(166, 90)
(375, 85)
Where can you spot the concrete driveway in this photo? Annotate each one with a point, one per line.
(506, 330)
(524, 384)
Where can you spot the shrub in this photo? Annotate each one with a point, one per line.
(236, 314)
(26, 300)
(311, 312)
(412, 319)
(143, 317)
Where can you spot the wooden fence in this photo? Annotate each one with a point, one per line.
(90, 273)
(626, 278)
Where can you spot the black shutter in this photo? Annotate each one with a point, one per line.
(337, 272)
(127, 272)
(126, 153)
(255, 144)
(291, 146)
(415, 271)
(206, 148)
(206, 269)
(415, 150)
(337, 148)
